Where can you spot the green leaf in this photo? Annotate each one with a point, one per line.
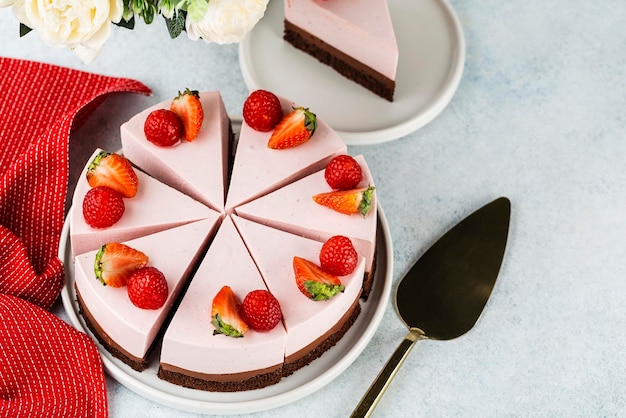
(222, 327)
(366, 203)
(128, 24)
(176, 25)
(322, 291)
(197, 9)
(24, 29)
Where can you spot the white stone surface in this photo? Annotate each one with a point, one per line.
(539, 117)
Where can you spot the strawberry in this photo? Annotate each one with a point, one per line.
(338, 256)
(343, 173)
(313, 282)
(225, 315)
(262, 110)
(295, 128)
(102, 207)
(188, 107)
(113, 171)
(147, 288)
(163, 128)
(347, 201)
(261, 310)
(115, 263)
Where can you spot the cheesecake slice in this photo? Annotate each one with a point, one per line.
(126, 331)
(154, 208)
(312, 326)
(192, 356)
(259, 170)
(198, 168)
(354, 37)
(292, 209)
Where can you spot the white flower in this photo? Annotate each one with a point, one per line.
(226, 21)
(81, 25)
(6, 3)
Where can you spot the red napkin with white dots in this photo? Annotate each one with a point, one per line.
(47, 368)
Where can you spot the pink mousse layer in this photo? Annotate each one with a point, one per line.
(189, 342)
(173, 252)
(305, 320)
(198, 168)
(361, 29)
(259, 170)
(154, 208)
(292, 209)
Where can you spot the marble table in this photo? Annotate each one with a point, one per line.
(539, 117)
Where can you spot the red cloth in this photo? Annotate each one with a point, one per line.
(40, 105)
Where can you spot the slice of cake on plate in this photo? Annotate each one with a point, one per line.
(313, 326)
(154, 207)
(125, 330)
(192, 355)
(258, 169)
(354, 37)
(197, 168)
(293, 209)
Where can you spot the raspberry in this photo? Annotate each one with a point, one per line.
(261, 310)
(163, 128)
(102, 207)
(338, 256)
(262, 110)
(147, 288)
(343, 173)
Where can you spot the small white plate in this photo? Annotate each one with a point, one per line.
(432, 55)
(300, 384)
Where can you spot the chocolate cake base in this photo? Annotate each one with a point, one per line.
(339, 61)
(197, 381)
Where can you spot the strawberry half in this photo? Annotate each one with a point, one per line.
(115, 263)
(188, 107)
(225, 315)
(347, 201)
(113, 171)
(295, 128)
(313, 282)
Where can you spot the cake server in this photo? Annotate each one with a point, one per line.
(445, 291)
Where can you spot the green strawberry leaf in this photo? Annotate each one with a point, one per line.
(222, 327)
(322, 291)
(176, 25)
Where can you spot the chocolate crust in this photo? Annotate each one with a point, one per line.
(339, 61)
(138, 364)
(256, 382)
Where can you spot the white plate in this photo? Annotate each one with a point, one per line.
(300, 384)
(432, 55)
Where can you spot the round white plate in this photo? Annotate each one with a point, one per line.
(300, 384)
(432, 55)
